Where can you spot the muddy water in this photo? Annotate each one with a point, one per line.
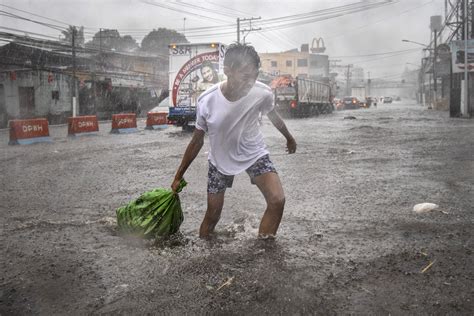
(348, 242)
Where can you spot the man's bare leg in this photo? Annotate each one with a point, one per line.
(215, 202)
(271, 188)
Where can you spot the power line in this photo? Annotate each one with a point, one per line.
(12, 15)
(33, 14)
(353, 30)
(377, 54)
(153, 3)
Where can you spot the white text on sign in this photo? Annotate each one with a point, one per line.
(124, 121)
(85, 124)
(32, 128)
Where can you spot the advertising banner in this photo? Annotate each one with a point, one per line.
(457, 53)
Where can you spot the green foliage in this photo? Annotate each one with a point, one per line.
(67, 36)
(111, 40)
(155, 213)
(157, 41)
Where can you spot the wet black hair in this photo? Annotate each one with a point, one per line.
(238, 54)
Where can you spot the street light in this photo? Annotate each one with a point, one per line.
(408, 41)
(426, 48)
(424, 45)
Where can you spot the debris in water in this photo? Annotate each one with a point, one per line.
(367, 290)
(350, 117)
(226, 283)
(426, 207)
(428, 267)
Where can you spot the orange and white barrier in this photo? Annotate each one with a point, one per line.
(156, 120)
(124, 123)
(82, 125)
(24, 132)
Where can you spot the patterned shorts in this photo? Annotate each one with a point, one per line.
(218, 182)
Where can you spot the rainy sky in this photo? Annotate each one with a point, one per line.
(365, 33)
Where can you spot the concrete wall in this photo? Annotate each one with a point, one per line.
(281, 61)
(44, 103)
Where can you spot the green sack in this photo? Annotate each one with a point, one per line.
(155, 213)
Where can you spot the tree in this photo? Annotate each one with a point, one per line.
(105, 40)
(157, 41)
(127, 44)
(78, 41)
(111, 40)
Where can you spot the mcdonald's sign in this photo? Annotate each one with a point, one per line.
(319, 47)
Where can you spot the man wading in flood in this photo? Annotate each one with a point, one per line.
(229, 113)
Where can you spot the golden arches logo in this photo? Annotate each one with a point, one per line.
(319, 48)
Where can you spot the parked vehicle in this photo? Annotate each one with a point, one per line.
(387, 100)
(301, 97)
(372, 101)
(186, 78)
(351, 103)
(361, 95)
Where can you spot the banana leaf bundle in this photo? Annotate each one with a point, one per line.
(153, 214)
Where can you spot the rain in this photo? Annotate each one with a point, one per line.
(100, 101)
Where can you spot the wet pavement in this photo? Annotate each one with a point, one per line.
(349, 242)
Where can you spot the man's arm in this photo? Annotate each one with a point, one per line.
(191, 152)
(280, 125)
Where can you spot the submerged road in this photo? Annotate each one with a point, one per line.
(349, 242)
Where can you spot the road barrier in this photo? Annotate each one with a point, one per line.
(124, 123)
(156, 120)
(82, 125)
(24, 132)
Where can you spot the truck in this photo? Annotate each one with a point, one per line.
(193, 67)
(301, 97)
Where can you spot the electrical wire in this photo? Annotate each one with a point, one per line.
(378, 54)
(154, 3)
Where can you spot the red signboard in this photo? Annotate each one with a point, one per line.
(28, 129)
(156, 118)
(124, 121)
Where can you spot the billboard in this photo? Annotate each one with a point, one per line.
(193, 69)
(457, 55)
(318, 66)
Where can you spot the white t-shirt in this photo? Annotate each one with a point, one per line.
(234, 133)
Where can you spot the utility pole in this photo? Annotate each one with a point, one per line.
(100, 48)
(435, 81)
(466, 78)
(472, 19)
(348, 79)
(100, 40)
(74, 71)
(238, 30)
(184, 26)
(368, 83)
(250, 29)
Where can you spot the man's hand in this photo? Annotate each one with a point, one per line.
(191, 152)
(175, 185)
(291, 145)
(280, 125)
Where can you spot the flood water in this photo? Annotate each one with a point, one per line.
(349, 241)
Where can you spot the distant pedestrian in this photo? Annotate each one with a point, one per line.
(229, 113)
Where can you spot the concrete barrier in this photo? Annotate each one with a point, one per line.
(156, 120)
(82, 125)
(124, 123)
(24, 132)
